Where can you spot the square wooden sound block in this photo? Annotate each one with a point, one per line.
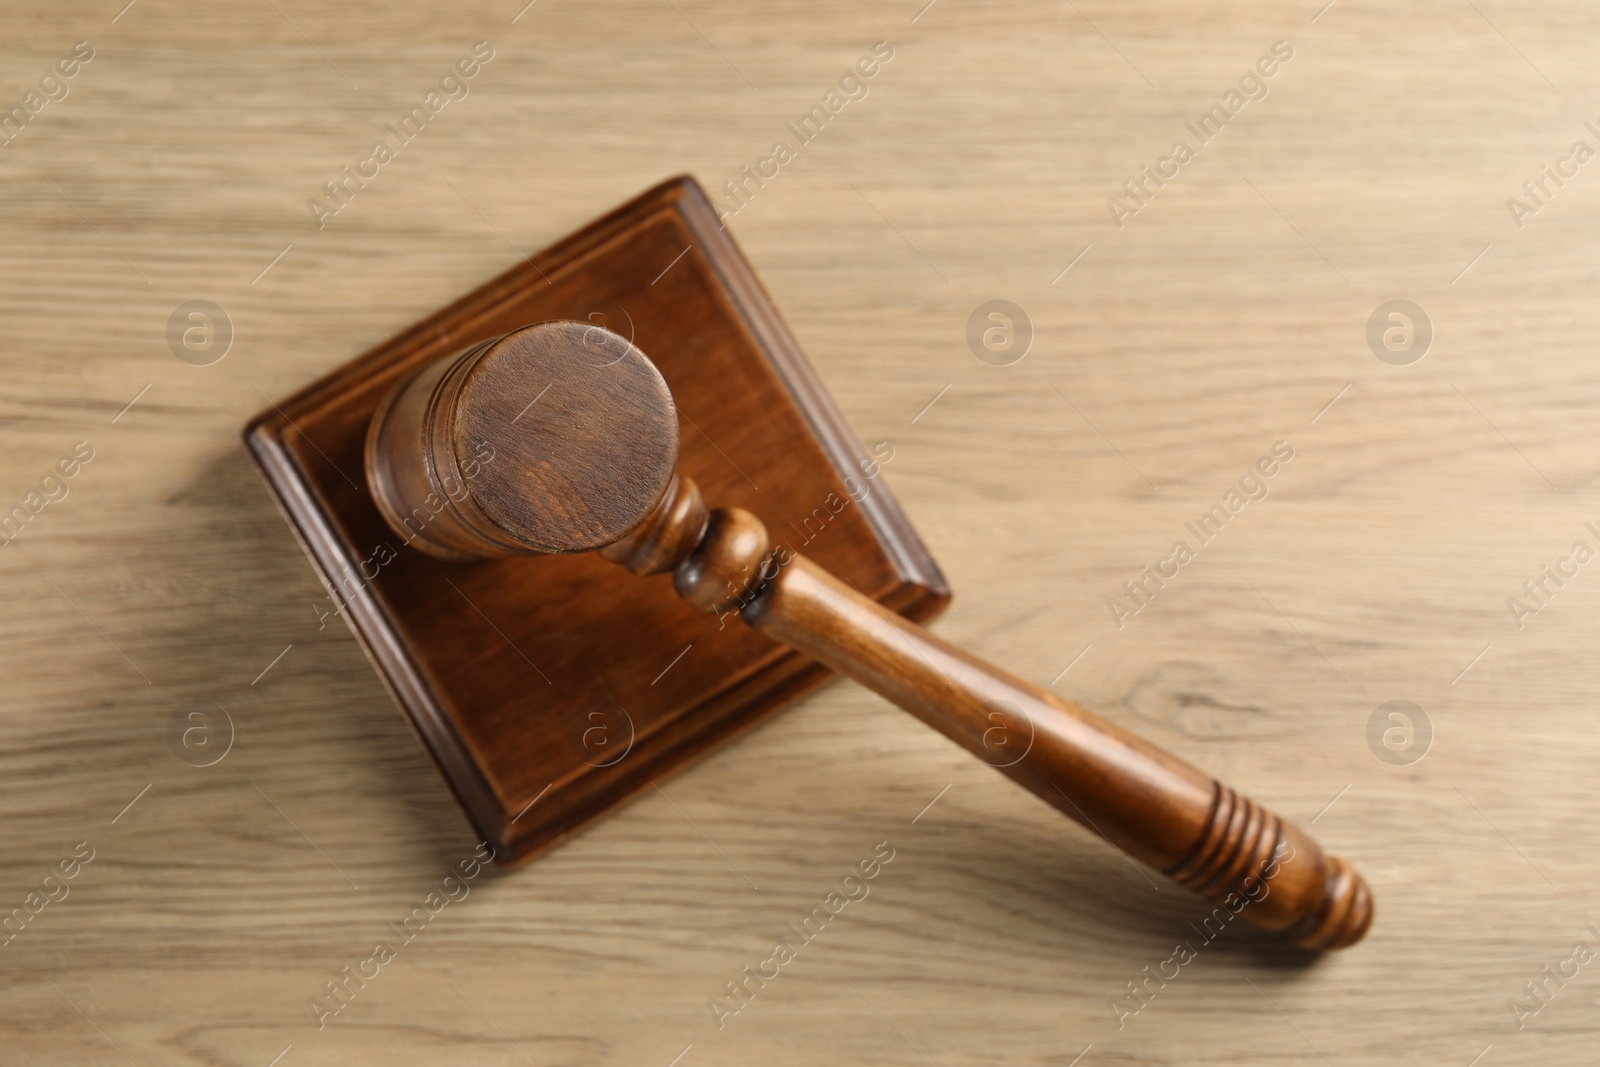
(549, 689)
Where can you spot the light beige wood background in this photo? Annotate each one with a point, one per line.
(1225, 316)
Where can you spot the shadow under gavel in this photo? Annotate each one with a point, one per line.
(585, 436)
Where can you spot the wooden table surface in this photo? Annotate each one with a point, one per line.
(1228, 312)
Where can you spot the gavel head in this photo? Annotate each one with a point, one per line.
(557, 437)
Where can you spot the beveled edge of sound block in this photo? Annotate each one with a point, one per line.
(311, 504)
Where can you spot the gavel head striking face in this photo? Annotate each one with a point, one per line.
(562, 437)
(559, 437)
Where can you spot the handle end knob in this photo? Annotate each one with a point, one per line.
(1343, 915)
(1255, 864)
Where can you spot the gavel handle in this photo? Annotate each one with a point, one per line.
(1150, 804)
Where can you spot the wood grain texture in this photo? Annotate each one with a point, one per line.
(1226, 315)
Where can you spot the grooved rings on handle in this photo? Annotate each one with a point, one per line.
(1239, 843)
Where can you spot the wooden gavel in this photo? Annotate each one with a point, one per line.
(584, 438)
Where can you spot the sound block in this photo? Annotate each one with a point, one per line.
(549, 689)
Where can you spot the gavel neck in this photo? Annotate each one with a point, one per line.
(718, 559)
(668, 535)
